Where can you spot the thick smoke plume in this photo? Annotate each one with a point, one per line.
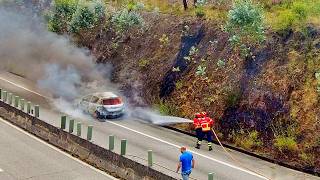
(58, 67)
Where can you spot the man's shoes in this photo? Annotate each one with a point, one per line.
(198, 146)
(210, 148)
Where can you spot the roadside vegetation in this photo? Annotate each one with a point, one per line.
(256, 69)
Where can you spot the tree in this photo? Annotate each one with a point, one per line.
(185, 4)
(245, 23)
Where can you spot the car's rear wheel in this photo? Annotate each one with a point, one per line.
(97, 115)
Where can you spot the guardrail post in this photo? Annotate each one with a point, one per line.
(4, 97)
(16, 101)
(28, 107)
(210, 176)
(78, 129)
(37, 111)
(71, 125)
(22, 104)
(63, 122)
(10, 99)
(89, 133)
(123, 147)
(150, 161)
(111, 142)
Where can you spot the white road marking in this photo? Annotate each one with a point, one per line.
(149, 136)
(177, 146)
(25, 88)
(57, 149)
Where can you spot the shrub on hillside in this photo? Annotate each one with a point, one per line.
(61, 14)
(248, 141)
(285, 143)
(285, 20)
(73, 15)
(124, 20)
(245, 20)
(87, 15)
(199, 8)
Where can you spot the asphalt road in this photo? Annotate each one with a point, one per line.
(23, 156)
(164, 143)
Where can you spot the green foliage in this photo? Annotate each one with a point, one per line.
(166, 108)
(164, 40)
(300, 10)
(87, 16)
(244, 50)
(308, 158)
(193, 51)
(124, 20)
(295, 14)
(176, 69)
(143, 63)
(245, 22)
(61, 14)
(285, 20)
(73, 15)
(201, 70)
(221, 63)
(233, 98)
(199, 8)
(249, 141)
(192, 54)
(285, 143)
(134, 6)
(179, 84)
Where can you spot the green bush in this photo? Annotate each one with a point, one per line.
(199, 8)
(61, 14)
(245, 20)
(133, 6)
(143, 63)
(200, 12)
(87, 16)
(285, 20)
(201, 70)
(300, 10)
(293, 15)
(285, 143)
(73, 15)
(124, 20)
(233, 98)
(249, 141)
(166, 108)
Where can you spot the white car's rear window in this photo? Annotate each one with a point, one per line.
(111, 101)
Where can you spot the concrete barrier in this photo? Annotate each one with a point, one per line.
(101, 158)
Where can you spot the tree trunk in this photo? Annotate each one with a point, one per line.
(185, 5)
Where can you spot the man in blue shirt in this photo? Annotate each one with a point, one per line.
(186, 163)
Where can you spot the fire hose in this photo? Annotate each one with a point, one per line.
(234, 159)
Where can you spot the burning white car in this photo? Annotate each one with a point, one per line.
(102, 105)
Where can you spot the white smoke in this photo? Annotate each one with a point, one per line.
(58, 67)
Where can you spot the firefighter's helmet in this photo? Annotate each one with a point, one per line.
(198, 115)
(204, 114)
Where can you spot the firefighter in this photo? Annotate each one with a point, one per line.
(197, 127)
(206, 124)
